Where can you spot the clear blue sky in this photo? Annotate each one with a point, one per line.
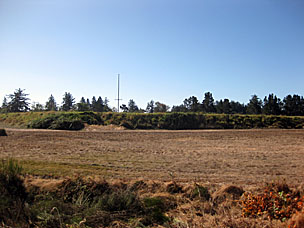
(165, 50)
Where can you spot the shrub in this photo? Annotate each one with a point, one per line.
(66, 123)
(120, 200)
(154, 211)
(277, 202)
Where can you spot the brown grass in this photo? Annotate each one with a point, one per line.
(243, 157)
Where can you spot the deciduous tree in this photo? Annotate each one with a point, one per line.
(160, 107)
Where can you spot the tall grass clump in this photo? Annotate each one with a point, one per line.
(12, 192)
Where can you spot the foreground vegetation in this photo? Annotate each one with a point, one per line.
(171, 121)
(83, 202)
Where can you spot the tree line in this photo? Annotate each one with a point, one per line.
(291, 105)
(18, 101)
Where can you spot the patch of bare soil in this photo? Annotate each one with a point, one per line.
(242, 157)
(100, 128)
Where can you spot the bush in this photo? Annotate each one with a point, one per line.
(120, 200)
(64, 123)
(277, 202)
(154, 211)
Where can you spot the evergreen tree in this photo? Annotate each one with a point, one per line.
(272, 105)
(150, 107)
(68, 102)
(106, 107)
(99, 105)
(226, 106)
(94, 104)
(223, 106)
(89, 104)
(237, 107)
(4, 107)
(18, 101)
(82, 105)
(293, 105)
(254, 106)
(179, 108)
(192, 104)
(132, 106)
(51, 104)
(208, 103)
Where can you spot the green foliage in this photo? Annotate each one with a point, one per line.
(208, 103)
(171, 121)
(254, 106)
(67, 102)
(119, 200)
(188, 120)
(272, 105)
(58, 121)
(18, 101)
(155, 209)
(65, 121)
(51, 104)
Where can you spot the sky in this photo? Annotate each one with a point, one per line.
(165, 50)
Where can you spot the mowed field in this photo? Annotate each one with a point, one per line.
(243, 157)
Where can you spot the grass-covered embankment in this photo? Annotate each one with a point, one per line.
(179, 121)
(170, 121)
(50, 120)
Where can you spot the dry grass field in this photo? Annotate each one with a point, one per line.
(241, 157)
(173, 168)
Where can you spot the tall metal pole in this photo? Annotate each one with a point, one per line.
(118, 94)
(118, 99)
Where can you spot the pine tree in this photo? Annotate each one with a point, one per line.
(132, 106)
(94, 104)
(18, 101)
(82, 105)
(208, 103)
(4, 107)
(150, 107)
(99, 105)
(68, 102)
(51, 105)
(272, 105)
(254, 106)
